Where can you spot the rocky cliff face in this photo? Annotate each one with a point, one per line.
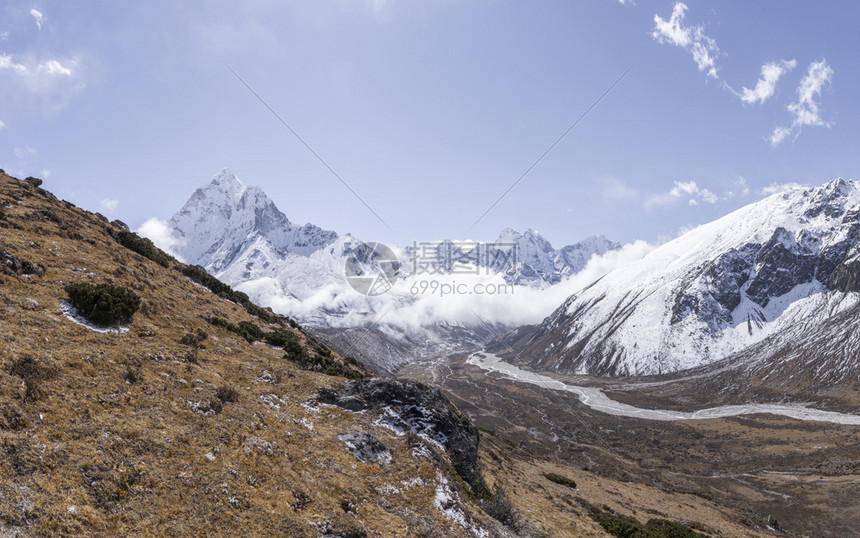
(712, 292)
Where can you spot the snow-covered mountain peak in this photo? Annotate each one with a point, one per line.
(226, 177)
(224, 219)
(508, 235)
(224, 187)
(716, 289)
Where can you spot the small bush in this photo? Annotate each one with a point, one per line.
(669, 529)
(558, 479)
(625, 527)
(249, 331)
(102, 304)
(500, 507)
(11, 418)
(32, 373)
(279, 338)
(294, 351)
(111, 484)
(214, 407)
(194, 339)
(227, 394)
(132, 375)
(144, 247)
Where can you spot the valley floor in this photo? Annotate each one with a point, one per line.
(732, 476)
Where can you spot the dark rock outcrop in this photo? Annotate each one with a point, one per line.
(421, 409)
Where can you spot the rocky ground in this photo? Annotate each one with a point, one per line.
(732, 476)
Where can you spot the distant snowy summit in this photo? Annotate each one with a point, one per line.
(523, 258)
(224, 217)
(788, 260)
(238, 234)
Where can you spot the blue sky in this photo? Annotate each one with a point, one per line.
(430, 110)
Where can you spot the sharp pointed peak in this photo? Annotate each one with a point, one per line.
(226, 176)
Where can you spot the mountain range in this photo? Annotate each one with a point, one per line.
(763, 297)
(240, 236)
(757, 292)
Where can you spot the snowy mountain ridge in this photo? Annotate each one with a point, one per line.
(239, 235)
(711, 292)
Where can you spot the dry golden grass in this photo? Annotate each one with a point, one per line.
(111, 438)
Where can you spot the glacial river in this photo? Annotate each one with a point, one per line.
(595, 398)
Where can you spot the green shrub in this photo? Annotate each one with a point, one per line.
(249, 331)
(102, 304)
(625, 527)
(199, 275)
(144, 247)
(669, 529)
(279, 338)
(558, 479)
(294, 351)
(320, 360)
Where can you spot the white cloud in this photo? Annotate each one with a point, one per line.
(778, 135)
(775, 188)
(740, 189)
(26, 153)
(689, 190)
(2, 125)
(158, 231)
(766, 84)
(50, 68)
(4, 36)
(49, 83)
(615, 189)
(708, 197)
(805, 109)
(55, 68)
(109, 205)
(403, 311)
(692, 38)
(37, 15)
(16, 68)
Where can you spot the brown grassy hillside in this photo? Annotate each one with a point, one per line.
(153, 431)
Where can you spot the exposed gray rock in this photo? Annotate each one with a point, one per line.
(366, 448)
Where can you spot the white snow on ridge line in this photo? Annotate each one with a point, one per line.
(595, 398)
(654, 342)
